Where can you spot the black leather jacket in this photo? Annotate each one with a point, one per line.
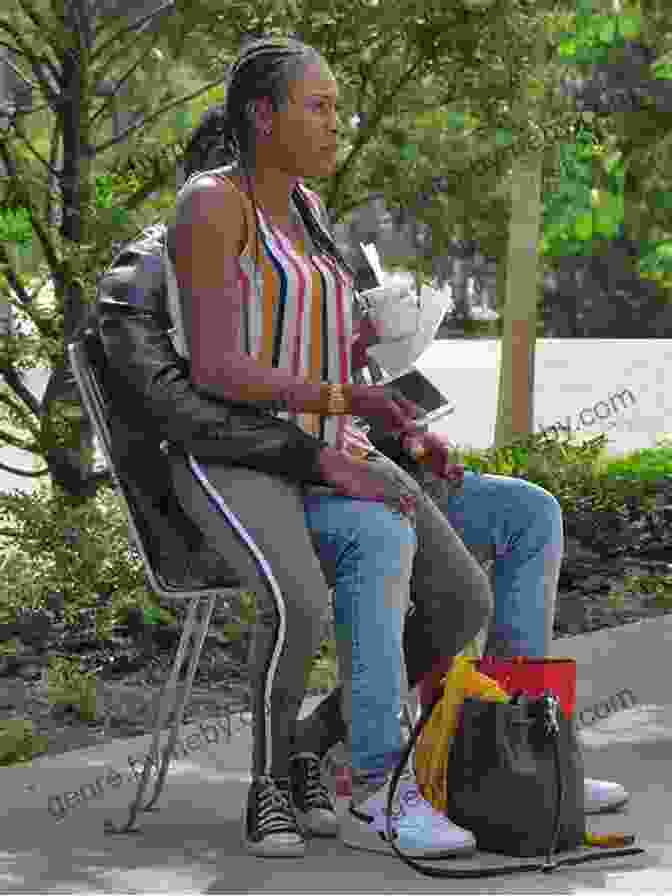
(156, 411)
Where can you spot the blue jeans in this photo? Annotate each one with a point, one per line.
(519, 521)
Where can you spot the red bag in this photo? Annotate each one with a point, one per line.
(534, 675)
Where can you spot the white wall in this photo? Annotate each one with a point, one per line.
(626, 382)
(621, 387)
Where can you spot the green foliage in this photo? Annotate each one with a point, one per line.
(571, 470)
(656, 264)
(15, 226)
(245, 617)
(324, 670)
(650, 464)
(68, 685)
(8, 648)
(662, 68)
(18, 743)
(595, 35)
(83, 552)
(576, 216)
(157, 615)
(658, 587)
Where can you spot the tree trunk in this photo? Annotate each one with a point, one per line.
(515, 410)
(72, 469)
(515, 407)
(459, 286)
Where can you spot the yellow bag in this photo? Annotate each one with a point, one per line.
(433, 744)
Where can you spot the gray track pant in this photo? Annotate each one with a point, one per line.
(258, 522)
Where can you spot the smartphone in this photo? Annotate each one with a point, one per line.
(435, 415)
(431, 417)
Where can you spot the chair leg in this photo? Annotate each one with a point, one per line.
(168, 693)
(199, 639)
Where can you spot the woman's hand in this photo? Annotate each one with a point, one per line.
(353, 478)
(363, 335)
(387, 407)
(434, 451)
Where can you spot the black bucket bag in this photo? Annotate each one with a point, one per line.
(516, 781)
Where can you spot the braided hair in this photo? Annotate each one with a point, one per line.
(264, 68)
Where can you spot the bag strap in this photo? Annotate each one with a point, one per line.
(549, 865)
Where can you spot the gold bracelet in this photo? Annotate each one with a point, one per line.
(337, 402)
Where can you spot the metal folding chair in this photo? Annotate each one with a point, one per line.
(85, 358)
(84, 355)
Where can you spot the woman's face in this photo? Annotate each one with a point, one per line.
(304, 135)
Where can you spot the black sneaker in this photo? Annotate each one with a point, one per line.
(269, 823)
(312, 805)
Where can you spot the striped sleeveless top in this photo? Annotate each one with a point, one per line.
(297, 315)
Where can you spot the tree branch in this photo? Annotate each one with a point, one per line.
(376, 118)
(52, 258)
(139, 25)
(35, 62)
(10, 47)
(53, 161)
(44, 323)
(24, 297)
(353, 205)
(14, 381)
(18, 71)
(110, 99)
(33, 109)
(34, 152)
(32, 448)
(41, 26)
(365, 71)
(16, 472)
(134, 127)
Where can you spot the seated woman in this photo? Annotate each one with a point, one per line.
(267, 465)
(265, 300)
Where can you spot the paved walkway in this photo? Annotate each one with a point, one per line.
(53, 811)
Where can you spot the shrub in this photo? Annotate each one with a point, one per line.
(576, 471)
(67, 685)
(18, 744)
(82, 551)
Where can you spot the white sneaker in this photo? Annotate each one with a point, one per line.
(418, 828)
(603, 796)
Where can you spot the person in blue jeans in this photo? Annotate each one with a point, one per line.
(262, 305)
(520, 523)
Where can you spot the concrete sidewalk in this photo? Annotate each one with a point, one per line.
(53, 811)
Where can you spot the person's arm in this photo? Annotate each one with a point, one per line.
(365, 336)
(209, 232)
(151, 390)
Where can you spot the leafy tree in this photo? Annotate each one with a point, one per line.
(455, 61)
(65, 55)
(104, 187)
(607, 219)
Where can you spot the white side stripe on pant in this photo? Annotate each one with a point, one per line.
(277, 594)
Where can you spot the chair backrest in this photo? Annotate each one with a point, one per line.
(171, 573)
(87, 358)
(85, 364)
